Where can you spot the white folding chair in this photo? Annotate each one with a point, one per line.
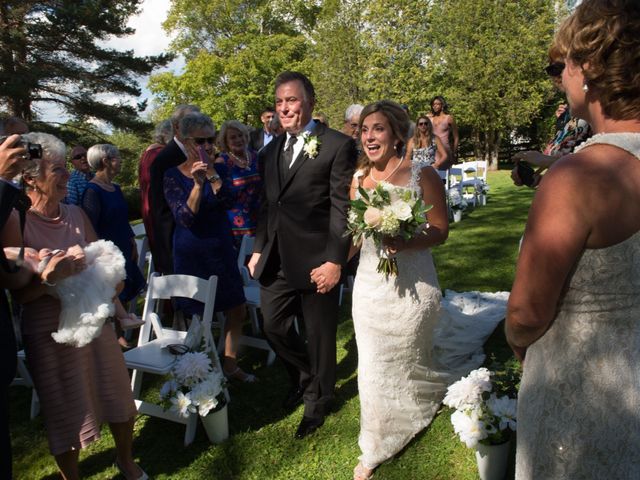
(252, 295)
(151, 355)
(145, 261)
(23, 379)
(474, 176)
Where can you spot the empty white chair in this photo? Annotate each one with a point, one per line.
(151, 354)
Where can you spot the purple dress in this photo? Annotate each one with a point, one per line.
(202, 242)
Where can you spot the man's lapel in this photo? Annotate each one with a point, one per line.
(317, 131)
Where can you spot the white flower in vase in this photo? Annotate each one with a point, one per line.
(191, 368)
(505, 409)
(181, 404)
(469, 427)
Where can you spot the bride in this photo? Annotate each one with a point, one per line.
(395, 317)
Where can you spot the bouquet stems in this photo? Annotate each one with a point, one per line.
(388, 266)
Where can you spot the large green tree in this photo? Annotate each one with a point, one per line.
(488, 61)
(53, 51)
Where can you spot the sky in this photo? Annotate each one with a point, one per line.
(149, 39)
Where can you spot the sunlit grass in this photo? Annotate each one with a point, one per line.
(479, 255)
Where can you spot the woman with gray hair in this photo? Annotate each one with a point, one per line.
(106, 207)
(79, 387)
(243, 179)
(202, 239)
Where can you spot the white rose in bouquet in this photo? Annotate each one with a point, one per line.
(372, 216)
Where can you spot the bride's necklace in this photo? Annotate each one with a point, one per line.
(397, 167)
(242, 163)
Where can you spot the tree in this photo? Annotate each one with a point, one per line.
(488, 62)
(50, 52)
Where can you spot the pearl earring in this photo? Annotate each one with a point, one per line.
(585, 88)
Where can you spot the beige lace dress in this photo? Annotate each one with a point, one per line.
(579, 401)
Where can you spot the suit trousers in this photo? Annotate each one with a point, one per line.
(310, 364)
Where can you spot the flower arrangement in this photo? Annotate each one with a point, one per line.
(482, 188)
(194, 387)
(485, 404)
(456, 200)
(310, 145)
(386, 211)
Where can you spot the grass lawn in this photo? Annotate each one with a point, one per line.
(479, 255)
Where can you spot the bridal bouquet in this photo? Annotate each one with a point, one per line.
(194, 387)
(485, 410)
(387, 210)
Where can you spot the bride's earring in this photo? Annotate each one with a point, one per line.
(585, 87)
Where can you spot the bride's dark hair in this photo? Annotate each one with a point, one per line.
(398, 121)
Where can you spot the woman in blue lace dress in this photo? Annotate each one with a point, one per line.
(202, 239)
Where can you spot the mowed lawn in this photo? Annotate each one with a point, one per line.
(479, 255)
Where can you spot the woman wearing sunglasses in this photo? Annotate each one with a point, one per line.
(424, 145)
(202, 239)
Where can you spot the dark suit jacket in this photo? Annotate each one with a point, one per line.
(256, 139)
(8, 195)
(163, 223)
(305, 215)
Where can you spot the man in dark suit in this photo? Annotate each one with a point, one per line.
(300, 247)
(262, 136)
(173, 154)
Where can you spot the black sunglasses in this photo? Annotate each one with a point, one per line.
(202, 140)
(79, 156)
(554, 69)
(177, 349)
(422, 123)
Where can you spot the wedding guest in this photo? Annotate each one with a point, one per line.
(444, 126)
(574, 308)
(173, 154)
(243, 180)
(261, 137)
(106, 207)
(351, 119)
(202, 240)
(80, 176)
(162, 136)
(394, 316)
(79, 388)
(424, 145)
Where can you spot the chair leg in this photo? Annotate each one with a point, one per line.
(35, 404)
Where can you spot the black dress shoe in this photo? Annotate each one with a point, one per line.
(308, 426)
(293, 398)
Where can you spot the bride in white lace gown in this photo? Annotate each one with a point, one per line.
(574, 311)
(394, 317)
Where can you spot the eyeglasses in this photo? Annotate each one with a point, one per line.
(177, 349)
(202, 140)
(422, 123)
(554, 69)
(353, 125)
(79, 156)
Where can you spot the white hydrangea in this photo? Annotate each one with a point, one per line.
(469, 427)
(389, 224)
(191, 368)
(467, 392)
(505, 409)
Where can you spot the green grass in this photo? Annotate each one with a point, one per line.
(479, 255)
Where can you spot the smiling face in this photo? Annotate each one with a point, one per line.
(378, 140)
(79, 159)
(235, 141)
(52, 180)
(292, 106)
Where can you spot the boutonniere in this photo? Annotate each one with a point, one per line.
(311, 144)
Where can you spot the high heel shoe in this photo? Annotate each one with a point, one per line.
(143, 476)
(240, 375)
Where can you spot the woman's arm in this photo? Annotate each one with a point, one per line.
(456, 136)
(554, 238)
(443, 155)
(353, 249)
(409, 152)
(91, 206)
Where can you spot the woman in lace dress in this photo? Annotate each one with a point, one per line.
(424, 145)
(394, 317)
(574, 311)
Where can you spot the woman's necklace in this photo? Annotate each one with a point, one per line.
(242, 163)
(105, 184)
(388, 176)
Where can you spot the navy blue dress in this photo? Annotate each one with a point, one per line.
(109, 215)
(203, 243)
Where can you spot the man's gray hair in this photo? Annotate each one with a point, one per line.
(194, 121)
(52, 149)
(353, 110)
(99, 152)
(163, 132)
(182, 110)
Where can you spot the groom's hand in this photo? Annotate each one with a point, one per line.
(326, 276)
(253, 261)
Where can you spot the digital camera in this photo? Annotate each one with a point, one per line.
(34, 150)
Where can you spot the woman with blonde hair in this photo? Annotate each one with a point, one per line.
(424, 147)
(574, 310)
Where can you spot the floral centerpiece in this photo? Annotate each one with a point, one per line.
(456, 200)
(485, 404)
(194, 387)
(386, 211)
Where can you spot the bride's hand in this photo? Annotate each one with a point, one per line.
(394, 245)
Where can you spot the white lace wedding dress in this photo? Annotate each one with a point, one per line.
(401, 384)
(579, 400)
